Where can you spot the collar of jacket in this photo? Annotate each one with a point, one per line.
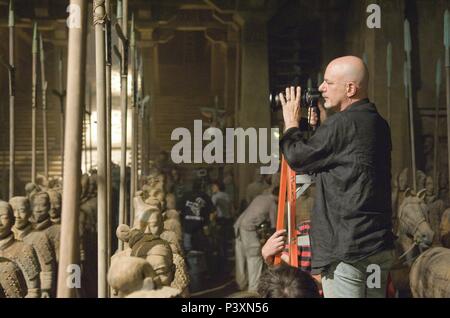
(20, 234)
(43, 225)
(7, 241)
(356, 105)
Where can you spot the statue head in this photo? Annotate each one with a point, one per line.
(443, 179)
(31, 189)
(6, 219)
(92, 189)
(123, 233)
(155, 196)
(420, 179)
(403, 180)
(429, 186)
(55, 204)
(161, 259)
(155, 222)
(84, 185)
(130, 274)
(22, 211)
(171, 202)
(41, 206)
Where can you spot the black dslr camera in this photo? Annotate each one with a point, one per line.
(310, 98)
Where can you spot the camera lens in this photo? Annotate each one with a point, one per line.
(310, 98)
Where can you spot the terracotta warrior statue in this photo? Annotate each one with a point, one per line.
(436, 207)
(19, 252)
(172, 217)
(172, 223)
(55, 216)
(156, 251)
(12, 281)
(41, 216)
(31, 189)
(39, 240)
(130, 274)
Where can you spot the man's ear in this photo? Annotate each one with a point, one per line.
(351, 89)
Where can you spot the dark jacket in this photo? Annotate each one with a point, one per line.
(351, 157)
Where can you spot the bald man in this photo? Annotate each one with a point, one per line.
(351, 230)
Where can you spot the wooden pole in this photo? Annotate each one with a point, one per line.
(133, 119)
(436, 125)
(100, 67)
(44, 105)
(11, 26)
(34, 104)
(124, 97)
(76, 80)
(408, 48)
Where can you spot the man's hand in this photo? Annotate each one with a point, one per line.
(313, 118)
(274, 245)
(291, 106)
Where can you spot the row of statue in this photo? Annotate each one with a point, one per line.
(421, 221)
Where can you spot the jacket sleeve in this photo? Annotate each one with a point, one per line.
(313, 155)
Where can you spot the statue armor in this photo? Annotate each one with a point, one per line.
(25, 257)
(181, 278)
(12, 281)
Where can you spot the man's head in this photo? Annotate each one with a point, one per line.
(55, 204)
(346, 81)
(217, 186)
(287, 282)
(41, 206)
(22, 211)
(6, 219)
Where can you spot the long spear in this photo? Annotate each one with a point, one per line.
(76, 81)
(142, 103)
(408, 48)
(44, 105)
(133, 119)
(436, 123)
(12, 83)
(389, 78)
(61, 94)
(34, 104)
(447, 74)
(100, 66)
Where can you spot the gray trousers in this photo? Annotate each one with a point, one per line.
(364, 279)
(249, 262)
